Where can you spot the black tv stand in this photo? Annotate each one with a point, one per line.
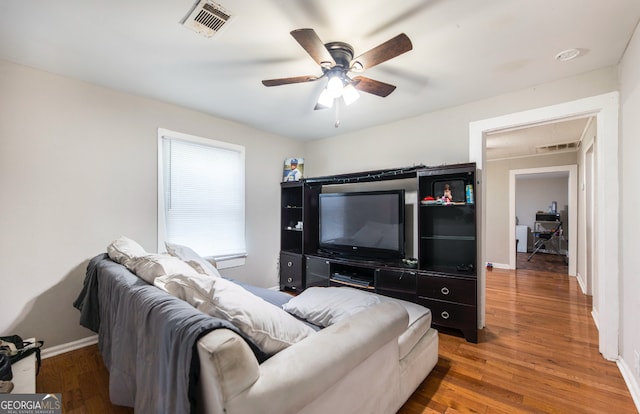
(365, 274)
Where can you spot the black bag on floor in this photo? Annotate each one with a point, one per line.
(5, 368)
(15, 348)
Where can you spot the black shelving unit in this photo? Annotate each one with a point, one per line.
(447, 283)
(298, 231)
(291, 217)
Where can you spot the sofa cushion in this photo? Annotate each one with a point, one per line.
(271, 328)
(419, 323)
(193, 259)
(122, 250)
(152, 266)
(324, 306)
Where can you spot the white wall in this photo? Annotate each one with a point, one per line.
(534, 194)
(78, 166)
(630, 206)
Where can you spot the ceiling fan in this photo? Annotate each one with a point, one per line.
(337, 62)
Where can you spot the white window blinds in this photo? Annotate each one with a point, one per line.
(202, 194)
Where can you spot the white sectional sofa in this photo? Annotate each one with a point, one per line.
(169, 350)
(354, 366)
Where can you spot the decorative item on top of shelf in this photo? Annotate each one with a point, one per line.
(447, 197)
(293, 169)
(450, 192)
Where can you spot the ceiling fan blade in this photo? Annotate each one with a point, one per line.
(383, 52)
(372, 86)
(286, 81)
(310, 42)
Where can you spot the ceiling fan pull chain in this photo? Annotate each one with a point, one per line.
(336, 105)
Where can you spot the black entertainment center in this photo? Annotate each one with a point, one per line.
(328, 239)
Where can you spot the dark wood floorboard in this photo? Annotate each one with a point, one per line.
(537, 354)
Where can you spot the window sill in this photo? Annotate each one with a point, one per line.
(225, 262)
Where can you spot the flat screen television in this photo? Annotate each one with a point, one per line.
(367, 225)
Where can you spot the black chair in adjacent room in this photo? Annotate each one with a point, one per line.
(548, 239)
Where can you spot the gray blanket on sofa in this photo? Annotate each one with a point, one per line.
(147, 338)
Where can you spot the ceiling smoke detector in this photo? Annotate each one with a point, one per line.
(568, 54)
(207, 18)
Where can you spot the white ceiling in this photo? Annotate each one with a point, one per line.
(463, 50)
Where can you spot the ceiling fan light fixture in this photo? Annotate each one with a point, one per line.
(325, 99)
(336, 61)
(357, 66)
(335, 86)
(350, 94)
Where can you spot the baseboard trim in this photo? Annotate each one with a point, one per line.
(581, 283)
(502, 266)
(630, 380)
(68, 347)
(596, 320)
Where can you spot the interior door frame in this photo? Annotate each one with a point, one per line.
(605, 108)
(590, 208)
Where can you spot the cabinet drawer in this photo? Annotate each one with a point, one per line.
(403, 281)
(291, 270)
(448, 289)
(452, 315)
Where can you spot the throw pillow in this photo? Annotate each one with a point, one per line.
(193, 259)
(196, 289)
(122, 250)
(271, 328)
(152, 266)
(324, 306)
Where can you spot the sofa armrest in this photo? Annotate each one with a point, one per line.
(297, 375)
(228, 366)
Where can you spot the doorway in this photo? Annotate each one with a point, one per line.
(606, 110)
(539, 193)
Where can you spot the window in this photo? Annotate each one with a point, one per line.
(201, 195)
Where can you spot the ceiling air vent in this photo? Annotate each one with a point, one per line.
(207, 18)
(565, 146)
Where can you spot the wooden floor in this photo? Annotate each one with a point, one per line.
(542, 261)
(537, 354)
